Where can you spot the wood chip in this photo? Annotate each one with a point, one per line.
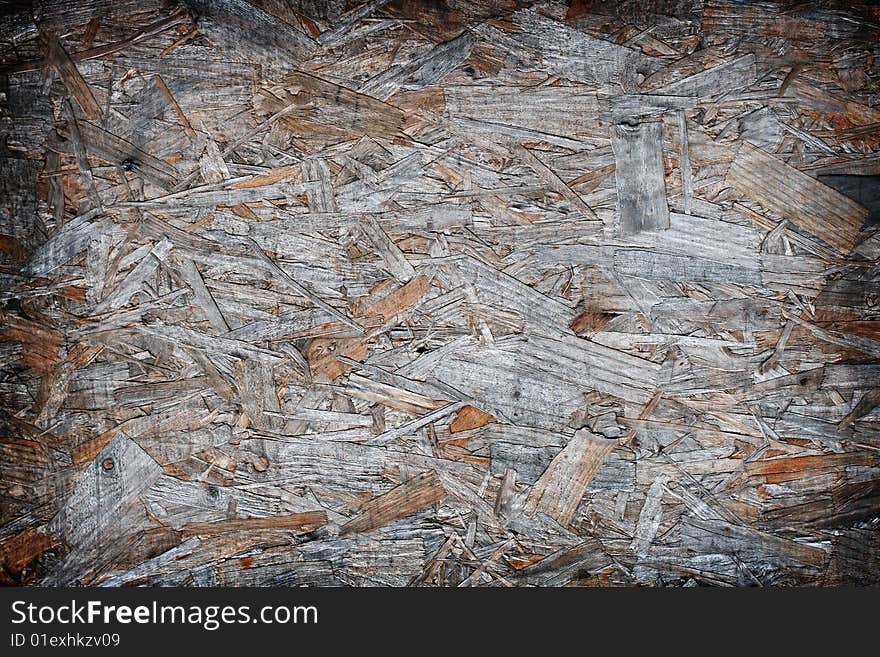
(411, 496)
(560, 489)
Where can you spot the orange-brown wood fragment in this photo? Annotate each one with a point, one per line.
(321, 354)
(309, 25)
(81, 355)
(470, 417)
(275, 175)
(174, 470)
(448, 174)
(41, 347)
(577, 8)
(219, 460)
(503, 24)
(453, 452)
(795, 467)
(600, 579)
(590, 321)
(518, 562)
(743, 510)
(593, 177)
(486, 59)
(243, 211)
(848, 123)
(91, 31)
(866, 328)
(91, 448)
(74, 293)
(17, 551)
(204, 221)
(21, 442)
(398, 302)
(12, 248)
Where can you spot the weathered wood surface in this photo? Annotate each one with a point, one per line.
(638, 169)
(435, 293)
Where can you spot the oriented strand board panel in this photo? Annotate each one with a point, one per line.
(439, 293)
